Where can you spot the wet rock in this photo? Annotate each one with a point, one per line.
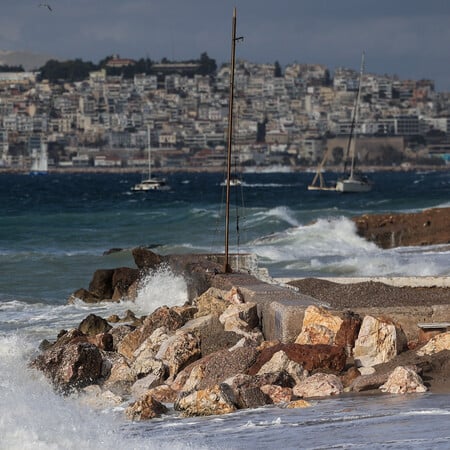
(163, 393)
(83, 295)
(122, 279)
(153, 379)
(94, 324)
(119, 332)
(319, 327)
(101, 284)
(368, 382)
(145, 408)
(121, 378)
(403, 380)
(319, 385)
(428, 227)
(379, 340)
(215, 400)
(145, 258)
(94, 397)
(277, 394)
(298, 404)
(144, 356)
(74, 365)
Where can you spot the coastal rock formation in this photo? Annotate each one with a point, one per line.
(319, 327)
(379, 340)
(319, 385)
(428, 227)
(147, 407)
(403, 380)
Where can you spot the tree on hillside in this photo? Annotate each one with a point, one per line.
(208, 66)
(6, 68)
(72, 70)
(277, 73)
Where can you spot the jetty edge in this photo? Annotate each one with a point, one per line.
(243, 340)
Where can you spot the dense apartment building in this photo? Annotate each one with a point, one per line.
(279, 118)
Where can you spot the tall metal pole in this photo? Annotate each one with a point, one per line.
(227, 268)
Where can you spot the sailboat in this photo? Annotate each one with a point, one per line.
(39, 165)
(353, 181)
(150, 183)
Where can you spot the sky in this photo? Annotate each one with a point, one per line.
(408, 38)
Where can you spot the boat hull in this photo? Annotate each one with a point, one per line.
(353, 185)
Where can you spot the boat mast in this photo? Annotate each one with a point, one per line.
(149, 153)
(356, 116)
(227, 268)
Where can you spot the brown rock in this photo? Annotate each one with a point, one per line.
(319, 385)
(101, 284)
(348, 331)
(428, 227)
(212, 401)
(278, 394)
(122, 279)
(83, 295)
(145, 408)
(145, 258)
(311, 357)
(74, 365)
(92, 325)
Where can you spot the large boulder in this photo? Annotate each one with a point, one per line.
(145, 259)
(145, 408)
(319, 385)
(213, 301)
(93, 324)
(436, 344)
(311, 357)
(428, 227)
(246, 392)
(379, 340)
(280, 362)
(179, 351)
(211, 401)
(101, 284)
(403, 380)
(319, 327)
(74, 365)
(122, 279)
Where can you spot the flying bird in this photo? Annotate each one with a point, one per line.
(46, 5)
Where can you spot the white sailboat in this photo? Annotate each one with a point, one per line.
(150, 183)
(39, 165)
(353, 181)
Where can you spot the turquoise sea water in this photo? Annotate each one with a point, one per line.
(55, 229)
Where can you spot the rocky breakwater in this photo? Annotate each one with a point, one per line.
(211, 355)
(428, 227)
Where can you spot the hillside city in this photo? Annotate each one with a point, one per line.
(290, 117)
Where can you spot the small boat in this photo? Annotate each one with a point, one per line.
(233, 182)
(353, 181)
(150, 183)
(39, 165)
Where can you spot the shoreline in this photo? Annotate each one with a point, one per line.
(221, 170)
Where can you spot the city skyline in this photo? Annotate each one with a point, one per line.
(402, 38)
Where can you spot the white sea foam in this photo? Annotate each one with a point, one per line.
(161, 287)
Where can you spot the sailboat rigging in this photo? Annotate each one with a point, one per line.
(150, 183)
(353, 181)
(234, 39)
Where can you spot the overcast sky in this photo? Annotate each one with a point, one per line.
(410, 38)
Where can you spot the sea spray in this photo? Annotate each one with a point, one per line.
(161, 287)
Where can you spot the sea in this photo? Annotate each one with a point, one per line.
(57, 229)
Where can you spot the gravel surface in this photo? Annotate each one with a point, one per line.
(371, 294)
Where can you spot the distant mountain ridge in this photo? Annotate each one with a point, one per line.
(28, 60)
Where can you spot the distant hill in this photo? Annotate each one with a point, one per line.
(28, 60)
